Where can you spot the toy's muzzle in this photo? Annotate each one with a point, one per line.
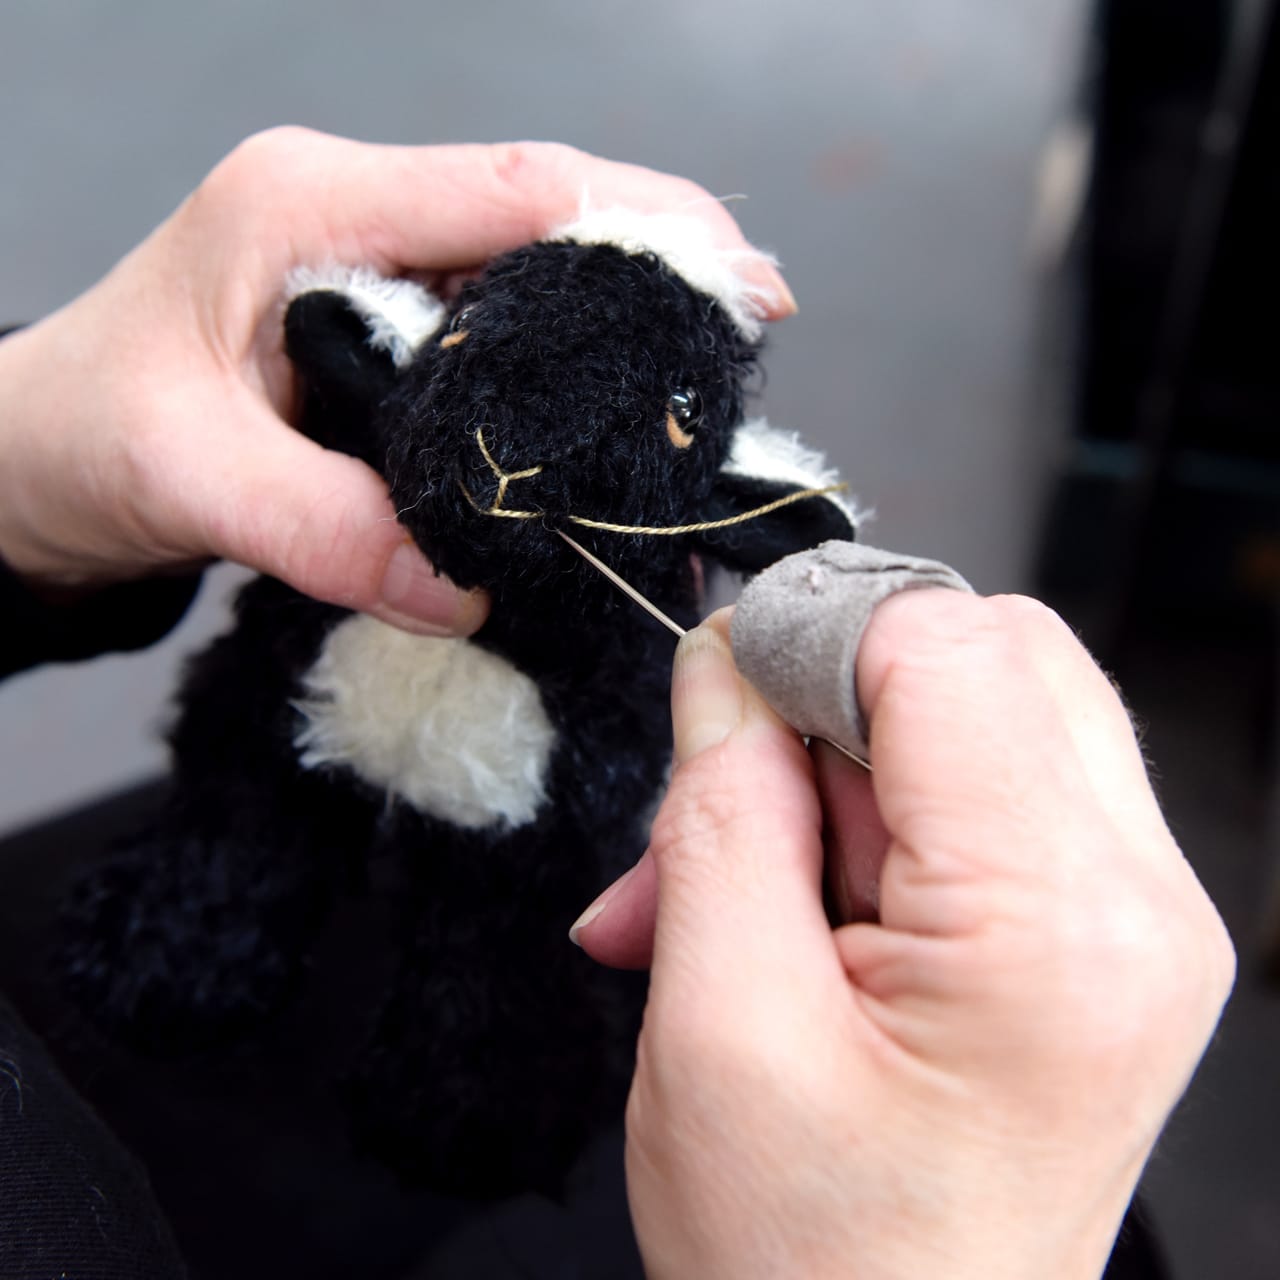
(493, 498)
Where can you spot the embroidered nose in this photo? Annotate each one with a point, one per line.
(504, 479)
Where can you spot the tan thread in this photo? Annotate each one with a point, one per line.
(705, 525)
(624, 586)
(654, 530)
(495, 510)
(645, 603)
(505, 478)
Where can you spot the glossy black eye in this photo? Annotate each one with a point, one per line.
(685, 406)
(462, 317)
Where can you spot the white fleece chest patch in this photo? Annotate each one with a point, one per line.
(448, 727)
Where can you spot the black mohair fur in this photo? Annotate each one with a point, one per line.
(499, 1047)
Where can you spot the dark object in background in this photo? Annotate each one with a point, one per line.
(1162, 543)
(1169, 505)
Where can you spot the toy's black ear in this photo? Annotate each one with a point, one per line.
(349, 333)
(765, 464)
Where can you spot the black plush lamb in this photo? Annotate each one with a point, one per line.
(591, 382)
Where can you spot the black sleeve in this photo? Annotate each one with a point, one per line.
(75, 1202)
(127, 616)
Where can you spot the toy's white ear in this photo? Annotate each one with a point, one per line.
(765, 464)
(687, 246)
(763, 453)
(349, 333)
(398, 315)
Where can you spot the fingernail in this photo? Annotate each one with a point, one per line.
(597, 908)
(427, 601)
(787, 305)
(706, 693)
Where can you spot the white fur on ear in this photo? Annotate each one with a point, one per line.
(687, 246)
(767, 453)
(400, 314)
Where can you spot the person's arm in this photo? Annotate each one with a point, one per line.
(965, 1079)
(144, 426)
(43, 626)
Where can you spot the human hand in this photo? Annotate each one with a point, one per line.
(967, 1081)
(145, 424)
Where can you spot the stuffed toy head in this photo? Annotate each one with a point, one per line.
(593, 382)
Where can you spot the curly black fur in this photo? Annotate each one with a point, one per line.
(499, 1047)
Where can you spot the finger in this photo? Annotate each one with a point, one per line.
(737, 848)
(854, 835)
(322, 522)
(617, 928)
(487, 199)
(980, 698)
(740, 814)
(970, 752)
(1106, 739)
(454, 207)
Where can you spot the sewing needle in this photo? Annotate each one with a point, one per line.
(623, 585)
(671, 625)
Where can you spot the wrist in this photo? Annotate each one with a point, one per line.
(1052, 1220)
(15, 550)
(43, 498)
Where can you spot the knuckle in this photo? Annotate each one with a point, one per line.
(137, 461)
(691, 824)
(1163, 965)
(265, 150)
(323, 556)
(928, 634)
(1011, 625)
(997, 633)
(520, 165)
(1024, 615)
(270, 157)
(924, 619)
(691, 809)
(696, 1044)
(1212, 954)
(136, 458)
(718, 803)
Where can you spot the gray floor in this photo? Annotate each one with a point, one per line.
(889, 155)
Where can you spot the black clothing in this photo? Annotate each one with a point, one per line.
(120, 618)
(73, 1201)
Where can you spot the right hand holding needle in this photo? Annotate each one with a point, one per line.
(965, 1076)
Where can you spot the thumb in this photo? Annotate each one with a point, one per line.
(736, 849)
(323, 522)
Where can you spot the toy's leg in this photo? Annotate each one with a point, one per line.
(497, 1054)
(199, 927)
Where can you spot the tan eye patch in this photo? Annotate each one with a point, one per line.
(676, 433)
(452, 339)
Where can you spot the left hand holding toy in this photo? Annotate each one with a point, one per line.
(145, 424)
(968, 1081)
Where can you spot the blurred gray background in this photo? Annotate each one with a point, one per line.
(889, 154)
